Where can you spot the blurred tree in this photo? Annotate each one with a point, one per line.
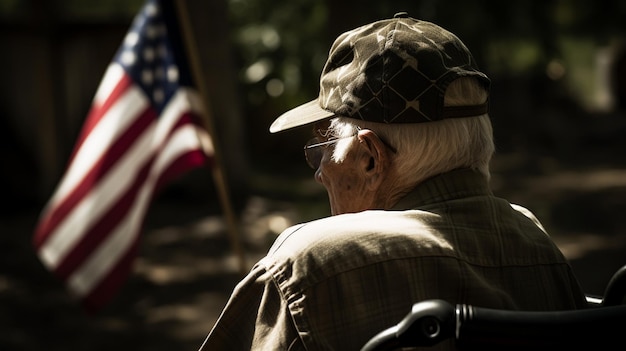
(540, 54)
(549, 60)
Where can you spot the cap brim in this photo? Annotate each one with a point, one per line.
(299, 116)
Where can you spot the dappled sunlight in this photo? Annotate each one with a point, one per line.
(278, 223)
(181, 271)
(577, 245)
(588, 180)
(263, 219)
(175, 312)
(188, 320)
(207, 227)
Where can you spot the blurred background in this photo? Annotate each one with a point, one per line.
(558, 103)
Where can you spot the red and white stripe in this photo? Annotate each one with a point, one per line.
(88, 232)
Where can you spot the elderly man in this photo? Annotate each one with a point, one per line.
(402, 143)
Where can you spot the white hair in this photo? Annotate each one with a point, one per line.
(427, 149)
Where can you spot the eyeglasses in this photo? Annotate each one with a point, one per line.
(313, 152)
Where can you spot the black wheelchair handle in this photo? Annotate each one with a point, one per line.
(479, 328)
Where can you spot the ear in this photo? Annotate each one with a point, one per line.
(374, 158)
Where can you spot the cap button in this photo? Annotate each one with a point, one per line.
(401, 15)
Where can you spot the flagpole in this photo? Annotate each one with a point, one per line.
(217, 169)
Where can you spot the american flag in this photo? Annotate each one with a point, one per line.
(142, 130)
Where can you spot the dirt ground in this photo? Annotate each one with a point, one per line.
(186, 268)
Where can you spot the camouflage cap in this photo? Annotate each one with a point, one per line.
(391, 71)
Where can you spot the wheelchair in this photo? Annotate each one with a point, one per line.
(601, 326)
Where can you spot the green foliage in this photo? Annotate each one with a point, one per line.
(282, 45)
(280, 48)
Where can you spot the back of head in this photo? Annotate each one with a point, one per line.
(415, 84)
(427, 149)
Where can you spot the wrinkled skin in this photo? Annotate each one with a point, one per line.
(362, 180)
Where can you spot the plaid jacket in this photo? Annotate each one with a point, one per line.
(333, 283)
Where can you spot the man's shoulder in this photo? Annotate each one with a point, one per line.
(360, 238)
(355, 226)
